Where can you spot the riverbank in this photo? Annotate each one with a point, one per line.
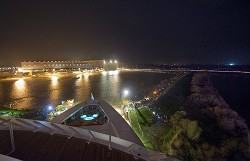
(149, 119)
(192, 122)
(47, 75)
(24, 113)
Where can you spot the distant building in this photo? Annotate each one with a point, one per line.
(6, 69)
(110, 65)
(82, 64)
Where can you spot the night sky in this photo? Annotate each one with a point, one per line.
(136, 31)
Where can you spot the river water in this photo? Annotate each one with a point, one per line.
(235, 89)
(41, 93)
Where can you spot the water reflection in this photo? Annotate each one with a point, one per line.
(38, 93)
(82, 87)
(20, 84)
(54, 80)
(19, 94)
(86, 75)
(54, 90)
(115, 72)
(110, 86)
(78, 82)
(104, 73)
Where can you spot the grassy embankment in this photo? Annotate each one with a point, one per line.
(12, 112)
(24, 113)
(137, 123)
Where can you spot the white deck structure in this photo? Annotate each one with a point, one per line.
(115, 126)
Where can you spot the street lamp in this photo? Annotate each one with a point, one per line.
(125, 97)
(125, 92)
(50, 108)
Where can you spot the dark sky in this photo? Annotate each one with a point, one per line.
(136, 31)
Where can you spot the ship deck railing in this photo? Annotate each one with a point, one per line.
(138, 151)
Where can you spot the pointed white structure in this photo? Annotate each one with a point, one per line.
(92, 99)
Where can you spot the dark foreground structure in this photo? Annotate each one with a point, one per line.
(33, 140)
(40, 146)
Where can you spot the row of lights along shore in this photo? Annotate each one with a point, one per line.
(111, 61)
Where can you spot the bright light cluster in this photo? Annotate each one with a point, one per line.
(113, 72)
(125, 92)
(54, 78)
(90, 117)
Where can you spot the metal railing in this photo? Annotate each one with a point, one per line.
(136, 150)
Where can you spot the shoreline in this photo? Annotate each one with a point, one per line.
(38, 77)
(204, 124)
(47, 76)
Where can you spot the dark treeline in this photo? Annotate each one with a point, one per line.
(190, 66)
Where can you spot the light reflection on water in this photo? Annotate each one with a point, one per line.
(54, 80)
(82, 87)
(39, 93)
(54, 93)
(110, 87)
(19, 92)
(20, 84)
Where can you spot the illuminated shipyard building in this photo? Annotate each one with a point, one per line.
(110, 65)
(82, 64)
